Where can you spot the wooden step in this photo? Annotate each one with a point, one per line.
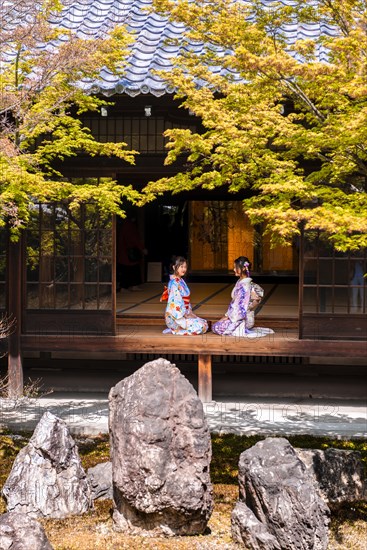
(139, 321)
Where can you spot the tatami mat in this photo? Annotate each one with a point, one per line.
(211, 308)
(208, 299)
(145, 309)
(281, 312)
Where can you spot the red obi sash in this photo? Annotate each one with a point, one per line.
(164, 297)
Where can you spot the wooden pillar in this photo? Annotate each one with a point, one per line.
(205, 377)
(15, 366)
(301, 281)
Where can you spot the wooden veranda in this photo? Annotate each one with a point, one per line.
(140, 324)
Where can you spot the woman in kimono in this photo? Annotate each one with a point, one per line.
(179, 316)
(246, 295)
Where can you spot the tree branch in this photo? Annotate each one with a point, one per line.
(293, 86)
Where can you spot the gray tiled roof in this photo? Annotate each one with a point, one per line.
(150, 52)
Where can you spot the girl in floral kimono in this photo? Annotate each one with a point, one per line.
(246, 295)
(179, 316)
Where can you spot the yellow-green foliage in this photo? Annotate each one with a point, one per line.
(294, 131)
(40, 101)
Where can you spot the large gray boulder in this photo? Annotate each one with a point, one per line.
(20, 532)
(287, 510)
(161, 452)
(338, 473)
(47, 478)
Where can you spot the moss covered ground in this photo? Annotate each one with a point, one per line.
(94, 531)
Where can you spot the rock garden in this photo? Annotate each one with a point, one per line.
(161, 480)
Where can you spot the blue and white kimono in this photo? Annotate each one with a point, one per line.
(239, 320)
(179, 317)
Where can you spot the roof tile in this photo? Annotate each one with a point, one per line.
(150, 52)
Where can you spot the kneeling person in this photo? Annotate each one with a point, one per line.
(179, 316)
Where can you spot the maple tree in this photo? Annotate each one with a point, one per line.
(45, 73)
(285, 121)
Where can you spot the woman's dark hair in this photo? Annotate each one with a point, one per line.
(177, 261)
(243, 264)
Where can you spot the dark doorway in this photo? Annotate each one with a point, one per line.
(166, 233)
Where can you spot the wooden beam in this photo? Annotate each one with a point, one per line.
(205, 377)
(15, 366)
(151, 340)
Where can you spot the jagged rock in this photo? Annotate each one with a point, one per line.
(161, 451)
(277, 488)
(246, 527)
(338, 473)
(100, 478)
(47, 478)
(20, 532)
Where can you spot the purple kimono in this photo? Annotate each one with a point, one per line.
(238, 320)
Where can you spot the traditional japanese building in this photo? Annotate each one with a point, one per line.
(60, 278)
